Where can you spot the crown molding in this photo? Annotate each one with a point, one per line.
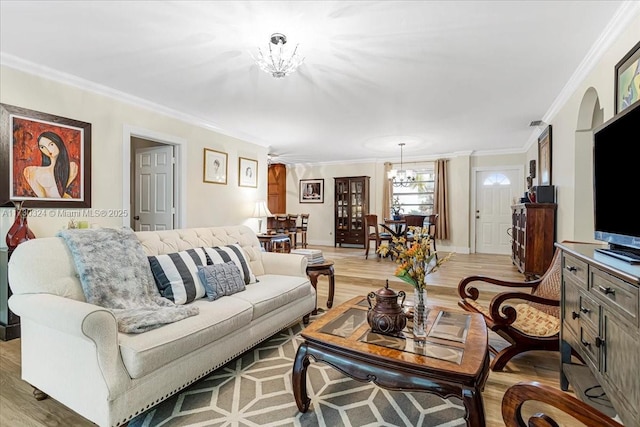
(623, 17)
(47, 73)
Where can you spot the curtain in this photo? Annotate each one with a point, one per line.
(386, 193)
(441, 207)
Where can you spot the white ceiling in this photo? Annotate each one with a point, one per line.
(444, 77)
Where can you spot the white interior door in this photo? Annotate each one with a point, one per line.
(153, 200)
(495, 190)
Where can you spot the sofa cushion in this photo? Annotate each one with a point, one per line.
(176, 274)
(222, 254)
(272, 292)
(144, 353)
(221, 279)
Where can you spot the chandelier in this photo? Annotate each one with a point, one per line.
(277, 61)
(401, 177)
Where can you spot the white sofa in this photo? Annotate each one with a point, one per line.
(73, 352)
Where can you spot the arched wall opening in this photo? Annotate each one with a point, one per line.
(590, 116)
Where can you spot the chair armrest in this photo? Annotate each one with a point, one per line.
(516, 395)
(473, 292)
(506, 314)
(285, 264)
(96, 325)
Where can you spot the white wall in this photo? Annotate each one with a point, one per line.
(207, 204)
(565, 126)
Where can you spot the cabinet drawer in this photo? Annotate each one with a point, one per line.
(571, 305)
(575, 268)
(621, 295)
(589, 311)
(588, 345)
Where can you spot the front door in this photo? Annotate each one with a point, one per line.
(153, 199)
(495, 191)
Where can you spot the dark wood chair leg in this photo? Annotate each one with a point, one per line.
(305, 318)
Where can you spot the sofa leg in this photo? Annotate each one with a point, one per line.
(305, 318)
(39, 395)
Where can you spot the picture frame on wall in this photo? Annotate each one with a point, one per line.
(39, 149)
(215, 167)
(247, 172)
(544, 157)
(627, 80)
(311, 191)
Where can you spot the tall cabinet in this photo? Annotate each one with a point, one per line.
(533, 233)
(351, 205)
(277, 188)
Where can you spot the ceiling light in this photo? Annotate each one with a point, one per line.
(277, 61)
(401, 177)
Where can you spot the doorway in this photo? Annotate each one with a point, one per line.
(154, 182)
(495, 189)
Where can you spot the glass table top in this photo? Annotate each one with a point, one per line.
(447, 326)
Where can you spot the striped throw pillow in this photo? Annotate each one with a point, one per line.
(176, 275)
(222, 254)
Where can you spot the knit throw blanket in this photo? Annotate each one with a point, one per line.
(115, 274)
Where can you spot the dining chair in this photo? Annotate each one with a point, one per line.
(430, 222)
(302, 229)
(292, 229)
(373, 234)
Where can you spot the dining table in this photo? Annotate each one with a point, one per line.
(397, 227)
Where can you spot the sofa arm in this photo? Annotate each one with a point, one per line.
(84, 321)
(285, 264)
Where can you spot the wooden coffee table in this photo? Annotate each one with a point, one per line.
(453, 361)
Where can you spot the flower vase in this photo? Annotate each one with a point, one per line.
(420, 314)
(19, 231)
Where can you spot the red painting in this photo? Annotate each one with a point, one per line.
(45, 159)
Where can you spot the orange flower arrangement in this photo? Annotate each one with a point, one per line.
(416, 260)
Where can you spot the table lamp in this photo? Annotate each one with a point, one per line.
(260, 211)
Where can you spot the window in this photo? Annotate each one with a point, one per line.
(417, 198)
(496, 179)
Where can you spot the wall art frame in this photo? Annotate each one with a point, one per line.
(311, 191)
(247, 172)
(215, 166)
(627, 80)
(37, 149)
(544, 157)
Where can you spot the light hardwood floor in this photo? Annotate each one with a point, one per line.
(354, 276)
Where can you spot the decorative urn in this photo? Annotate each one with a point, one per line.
(386, 316)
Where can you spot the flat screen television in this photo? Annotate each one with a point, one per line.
(616, 175)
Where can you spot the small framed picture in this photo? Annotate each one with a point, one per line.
(627, 79)
(215, 167)
(311, 191)
(247, 172)
(544, 157)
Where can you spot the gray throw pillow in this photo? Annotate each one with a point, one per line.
(221, 279)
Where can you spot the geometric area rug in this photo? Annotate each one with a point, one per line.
(255, 390)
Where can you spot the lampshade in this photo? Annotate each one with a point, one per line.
(260, 211)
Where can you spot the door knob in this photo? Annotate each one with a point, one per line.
(137, 218)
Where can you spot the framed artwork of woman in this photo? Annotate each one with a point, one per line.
(46, 159)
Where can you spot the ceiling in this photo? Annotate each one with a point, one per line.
(443, 77)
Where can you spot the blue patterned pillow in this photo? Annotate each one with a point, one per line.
(221, 279)
(176, 274)
(234, 253)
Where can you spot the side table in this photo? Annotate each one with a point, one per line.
(275, 242)
(315, 270)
